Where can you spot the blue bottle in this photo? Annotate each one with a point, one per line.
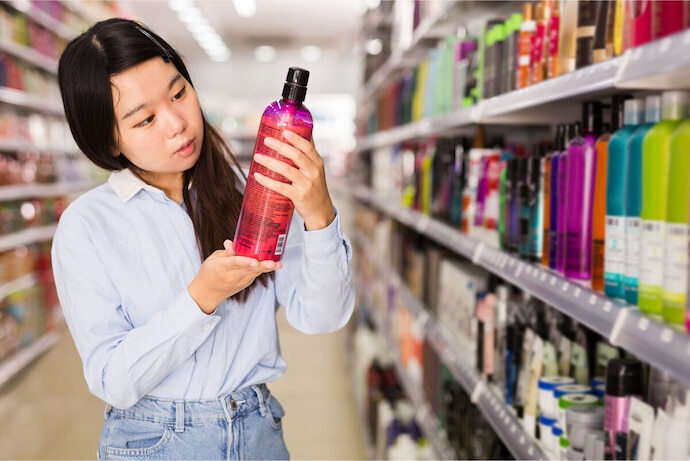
(616, 188)
(633, 198)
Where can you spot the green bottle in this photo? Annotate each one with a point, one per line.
(676, 246)
(655, 176)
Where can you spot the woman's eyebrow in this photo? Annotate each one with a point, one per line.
(141, 106)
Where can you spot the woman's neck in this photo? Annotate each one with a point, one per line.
(169, 183)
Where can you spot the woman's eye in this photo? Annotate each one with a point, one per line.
(145, 121)
(180, 94)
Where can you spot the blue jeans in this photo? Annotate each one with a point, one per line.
(243, 425)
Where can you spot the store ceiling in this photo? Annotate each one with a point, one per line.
(287, 25)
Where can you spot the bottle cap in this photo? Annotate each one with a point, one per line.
(546, 421)
(295, 87)
(570, 400)
(528, 11)
(571, 389)
(673, 105)
(591, 116)
(617, 110)
(634, 112)
(549, 383)
(624, 377)
(652, 109)
(560, 137)
(587, 415)
(557, 431)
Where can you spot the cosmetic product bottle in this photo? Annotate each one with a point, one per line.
(574, 131)
(264, 220)
(536, 202)
(615, 199)
(603, 11)
(669, 17)
(509, 52)
(618, 26)
(623, 381)
(546, 180)
(536, 67)
(586, 27)
(633, 198)
(675, 286)
(524, 167)
(581, 175)
(553, 35)
(655, 176)
(568, 37)
(561, 134)
(525, 39)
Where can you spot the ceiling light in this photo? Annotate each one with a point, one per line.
(220, 58)
(204, 33)
(374, 46)
(311, 53)
(179, 5)
(245, 8)
(199, 29)
(265, 53)
(373, 4)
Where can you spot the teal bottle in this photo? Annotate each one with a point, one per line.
(616, 188)
(633, 198)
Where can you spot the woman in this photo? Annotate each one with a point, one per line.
(177, 333)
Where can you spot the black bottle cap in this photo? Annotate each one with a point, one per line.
(574, 129)
(624, 377)
(591, 116)
(617, 112)
(559, 141)
(295, 87)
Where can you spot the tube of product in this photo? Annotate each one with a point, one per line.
(568, 37)
(623, 381)
(264, 220)
(553, 33)
(536, 56)
(527, 31)
(603, 11)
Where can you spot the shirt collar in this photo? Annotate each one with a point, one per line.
(126, 184)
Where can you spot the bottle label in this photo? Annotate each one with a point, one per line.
(652, 255)
(614, 256)
(676, 264)
(632, 250)
(265, 217)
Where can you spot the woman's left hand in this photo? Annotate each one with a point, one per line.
(307, 187)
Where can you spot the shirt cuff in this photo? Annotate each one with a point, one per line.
(187, 318)
(324, 240)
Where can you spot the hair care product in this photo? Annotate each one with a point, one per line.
(568, 37)
(525, 39)
(580, 419)
(586, 27)
(623, 381)
(264, 221)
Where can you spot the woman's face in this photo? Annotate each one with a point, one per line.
(159, 124)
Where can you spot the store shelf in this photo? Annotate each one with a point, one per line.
(17, 362)
(42, 18)
(29, 101)
(15, 146)
(502, 419)
(624, 325)
(27, 237)
(29, 55)
(369, 449)
(427, 421)
(650, 66)
(423, 32)
(22, 283)
(27, 191)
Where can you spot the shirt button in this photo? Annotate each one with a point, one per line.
(206, 327)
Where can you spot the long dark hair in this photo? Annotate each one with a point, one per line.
(86, 66)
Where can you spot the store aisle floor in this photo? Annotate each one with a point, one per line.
(50, 397)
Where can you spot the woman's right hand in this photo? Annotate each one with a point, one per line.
(223, 274)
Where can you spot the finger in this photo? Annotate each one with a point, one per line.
(277, 166)
(286, 150)
(229, 248)
(304, 145)
(276, 186)
(241, 262)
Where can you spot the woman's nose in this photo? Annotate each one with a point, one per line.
(176, 123)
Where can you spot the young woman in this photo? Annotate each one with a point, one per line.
(178, 334)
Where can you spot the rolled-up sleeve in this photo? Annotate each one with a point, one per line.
(315, 285)
(121, 363)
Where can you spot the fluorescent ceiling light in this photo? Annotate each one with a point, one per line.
(220, 58)
(311, 53)
(373, 4)
(245, 8)
(204, 33)
(374, 46)
(179, 5)
(265, 53)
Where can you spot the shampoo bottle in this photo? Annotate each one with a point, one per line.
(265, 217)
(616, 185)
(633, 198)
(655, 175)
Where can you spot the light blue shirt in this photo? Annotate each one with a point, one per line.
(123, 256)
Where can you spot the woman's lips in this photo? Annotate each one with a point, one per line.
(187, 150)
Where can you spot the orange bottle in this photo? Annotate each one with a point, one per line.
(524, 53)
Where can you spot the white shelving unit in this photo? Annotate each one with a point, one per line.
(15, 363)
(502, 419)
(27, 237)
(26, 191)
(29, 101)
(624, 325)
(22, 283)
(42, 18)
(29, 55)
(14, 146)
(651, 66)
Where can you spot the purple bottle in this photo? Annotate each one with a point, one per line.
(574, 130)
(582, 161)
(553, 195)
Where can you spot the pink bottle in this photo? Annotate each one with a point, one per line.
(264, 221)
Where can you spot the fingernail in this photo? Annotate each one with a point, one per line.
(258, 157)
(269, 141)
